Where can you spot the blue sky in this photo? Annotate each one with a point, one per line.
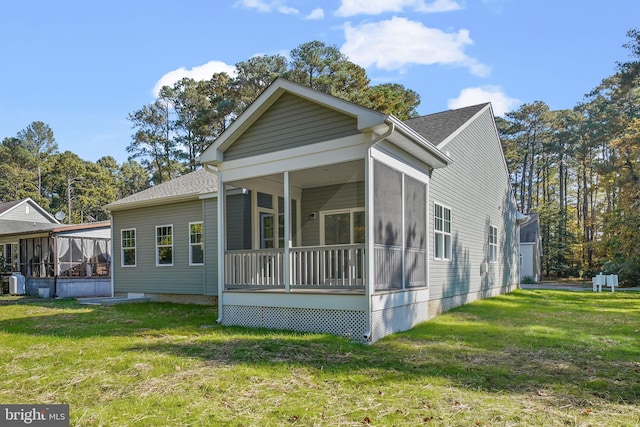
(82, 66)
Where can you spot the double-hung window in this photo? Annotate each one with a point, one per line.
(164, 245)
(196, 244)
(442, 232)
(493, 244)
(128, 245)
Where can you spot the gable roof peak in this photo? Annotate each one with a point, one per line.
(437, 127)
(365, 117)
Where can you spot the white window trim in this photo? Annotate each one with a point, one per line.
(135, 248)
(257, 210)
(157, 247)
(350, 211)
(448, 256)
(191, 245)
(493, 245)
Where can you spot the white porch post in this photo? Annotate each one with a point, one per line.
(221, 242)
(287, 233)
(369, 237)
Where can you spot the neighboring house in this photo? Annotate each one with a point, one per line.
(349, 221)
(531, 248)
(70, 260)
(163, 247)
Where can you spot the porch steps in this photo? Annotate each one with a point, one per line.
(111, 301)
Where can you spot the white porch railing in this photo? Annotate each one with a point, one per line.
(262, 268)
(328, 267)
(317, 267)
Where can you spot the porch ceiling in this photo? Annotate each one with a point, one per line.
(320, 176)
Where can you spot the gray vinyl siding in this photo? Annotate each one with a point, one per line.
(332, 197)
(181, 278)
(210, 224)
(475, 187)
(291, 122)
(18, 213)
(239, 222)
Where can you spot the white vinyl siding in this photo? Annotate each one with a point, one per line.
(128, 245)
(196, 244)
(493, 244)
(442, 232)
(164, 245)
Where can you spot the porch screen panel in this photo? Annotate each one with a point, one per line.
(36, 258)
(415, 222)
(387, 223)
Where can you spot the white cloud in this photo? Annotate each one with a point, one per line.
(259, 5)
(500, 102)
(288, 10)
(440, 6)
(396, 43)
(265, 6)
(376, 7)
(317, 13)
(199, 72)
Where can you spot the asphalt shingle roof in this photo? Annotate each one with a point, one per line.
(8, 205)
(191, 184)
(438, 126)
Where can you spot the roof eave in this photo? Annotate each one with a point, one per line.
(427, 152)
(112, 207)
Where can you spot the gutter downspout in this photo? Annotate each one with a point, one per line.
(391, 127)
(111, 267)
(369, 229)
(221, 236)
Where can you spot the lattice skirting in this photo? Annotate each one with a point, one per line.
(396, 319)
(348, 323)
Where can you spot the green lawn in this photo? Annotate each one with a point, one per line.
(529, 358)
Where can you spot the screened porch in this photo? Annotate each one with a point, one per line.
(317, 222)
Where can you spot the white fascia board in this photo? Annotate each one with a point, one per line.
(309, 156)
(215, 152)
(366, 119)
(496, 133)
(405, 137)
(152, 202)
(36, 206)
(464, 126)
(401, 165)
